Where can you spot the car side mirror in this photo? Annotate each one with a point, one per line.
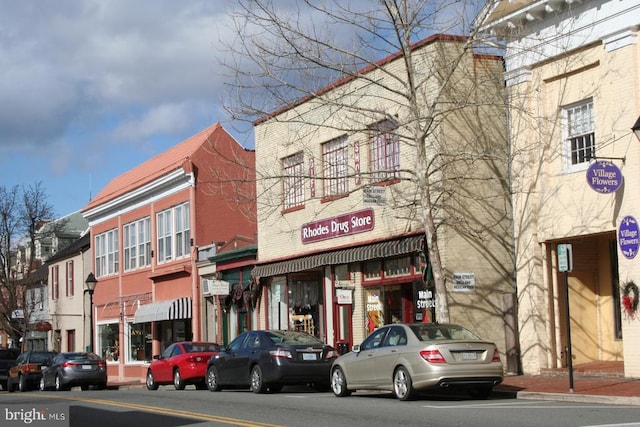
(157, 357)
(356, 348)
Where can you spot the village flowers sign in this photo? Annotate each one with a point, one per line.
(604, 177)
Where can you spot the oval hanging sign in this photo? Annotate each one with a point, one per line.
(629, 237)
(604, 177)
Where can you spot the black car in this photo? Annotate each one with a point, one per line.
(267, 360)
(67, 370)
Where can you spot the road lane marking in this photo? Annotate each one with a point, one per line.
(166, 411)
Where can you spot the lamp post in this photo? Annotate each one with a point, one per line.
(636, 128)
(91, 283)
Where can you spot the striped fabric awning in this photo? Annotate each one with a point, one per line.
(179, 308)
(384, 249)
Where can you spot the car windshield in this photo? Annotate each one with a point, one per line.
(292, 337)
(40, 357)
(430, 332)
(201, 347)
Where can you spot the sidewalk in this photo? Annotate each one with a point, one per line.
(598, 382)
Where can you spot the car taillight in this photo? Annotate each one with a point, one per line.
(196, 359)
(26, 368)
(432, 356)
(102, 364)
(68, 364)
(496, 356)
(330, 354)
(281, 352)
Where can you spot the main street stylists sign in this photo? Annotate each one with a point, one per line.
(342, 225)
(604, 177)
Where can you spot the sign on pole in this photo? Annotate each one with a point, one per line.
(565, 257)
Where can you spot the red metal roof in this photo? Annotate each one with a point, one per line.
(154, 168)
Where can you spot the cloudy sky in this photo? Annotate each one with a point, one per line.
(92, 88)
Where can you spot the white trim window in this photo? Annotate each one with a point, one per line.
(137, 244)
(579, 143)
(107, 255)
(173, 229)
(385, 152)
(335, 157)
(69, 288)
(293, 170)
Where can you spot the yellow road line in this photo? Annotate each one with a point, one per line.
(165, 411)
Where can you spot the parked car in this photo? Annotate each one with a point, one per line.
(8, 358)
(73, 369)
(267, 360)
(28, 370)
(408, 358)
(180, 364)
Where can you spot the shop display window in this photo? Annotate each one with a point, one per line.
(108, 346)
(397, 266)
(139, 342)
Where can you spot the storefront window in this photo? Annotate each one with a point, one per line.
(108, 345)
(305, 300)
(278, 314)
(372, 270)
(397, 266)
(139, 342)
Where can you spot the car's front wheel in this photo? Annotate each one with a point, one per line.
(339, 383)
(257, 380)
(151, 381)
(402, 384)
(212, 379)
(177, 380)
(59, 385)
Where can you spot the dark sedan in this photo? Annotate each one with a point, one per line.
(74, 369)
(267, 360)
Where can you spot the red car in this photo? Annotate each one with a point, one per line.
(180, 364)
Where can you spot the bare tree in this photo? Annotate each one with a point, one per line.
(283, 55)
(23, 211)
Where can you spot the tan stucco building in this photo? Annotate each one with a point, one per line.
(573, 81)
(340, 235)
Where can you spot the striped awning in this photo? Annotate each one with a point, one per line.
(164, 310)
(384, 249)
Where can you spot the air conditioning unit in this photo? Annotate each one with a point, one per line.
(207, 287)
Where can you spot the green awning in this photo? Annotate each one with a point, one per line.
(388, 248)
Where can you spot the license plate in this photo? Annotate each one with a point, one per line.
(469, 356)
(309, 356)
(87, 367)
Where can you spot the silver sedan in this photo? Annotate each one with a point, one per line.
(408, 358)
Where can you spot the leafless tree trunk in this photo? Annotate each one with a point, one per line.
(23, 210)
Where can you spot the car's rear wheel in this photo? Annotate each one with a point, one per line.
(257, 380)
(339, 383)
(151, 381)
(22, 384)
(177, 380)
(402, 384)
(212, 379)
(480, 392)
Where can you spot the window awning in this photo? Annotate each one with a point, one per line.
(164, 310)
(384, 249)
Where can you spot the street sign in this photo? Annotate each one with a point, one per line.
(565, 257)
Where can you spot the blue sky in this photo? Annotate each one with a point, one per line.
(90, 88)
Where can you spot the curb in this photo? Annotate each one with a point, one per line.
(579, 398)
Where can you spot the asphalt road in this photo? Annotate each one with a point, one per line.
(167, 407)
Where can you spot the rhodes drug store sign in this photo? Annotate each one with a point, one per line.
(342, 225)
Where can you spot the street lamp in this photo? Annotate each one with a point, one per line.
(636, 128)
(91, 283)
